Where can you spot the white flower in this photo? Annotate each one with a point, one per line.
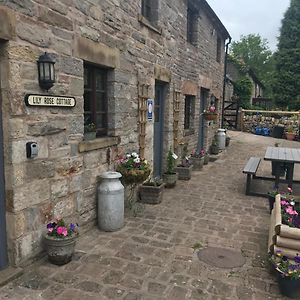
(128, 155)
(137, 160)
(292, 203)
(134, 154)
(146, 162)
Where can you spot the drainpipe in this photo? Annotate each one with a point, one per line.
(224, 81)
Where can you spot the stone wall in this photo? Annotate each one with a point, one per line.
(62, 180)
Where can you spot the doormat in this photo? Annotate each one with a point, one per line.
(221, 258)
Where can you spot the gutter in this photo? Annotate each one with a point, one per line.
(224, 80)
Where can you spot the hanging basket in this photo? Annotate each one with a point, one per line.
(210, 116)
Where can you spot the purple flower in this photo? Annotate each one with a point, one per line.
(297, 259)
(72, 226)
(293, 267)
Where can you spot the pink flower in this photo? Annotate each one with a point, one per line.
(283, 202)
(290, 190)
(62, 230)
(50, 229)
(291, 211)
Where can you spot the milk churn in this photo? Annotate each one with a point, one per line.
(110, 202)
(221, 137)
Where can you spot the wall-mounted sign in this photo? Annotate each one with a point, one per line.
(46, 100)
(149, 109)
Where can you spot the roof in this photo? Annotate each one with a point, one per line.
(214, 18)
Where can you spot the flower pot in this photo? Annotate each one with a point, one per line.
(184, 173)
(214, 149)
(288, 287)
(197, 163)
(170, 179)
(133, 176)
(290, 136)
(60, 250)
(210, 116)
(151, 194)
(227, 141)
(89, 135)
(206, 159)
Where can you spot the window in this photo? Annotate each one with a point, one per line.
(150, 10)
(95, 98)
(191, 24)
(219, 45)
(189, 105)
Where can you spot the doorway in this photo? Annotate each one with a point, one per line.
(203, 104)
(159, 104)
(3, 241)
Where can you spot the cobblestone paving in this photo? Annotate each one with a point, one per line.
(155, 255)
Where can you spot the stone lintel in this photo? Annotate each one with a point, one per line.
(205, 82)
(98, 143)
(162, 73)
(189, 88)
(8, 23)
(97, 53)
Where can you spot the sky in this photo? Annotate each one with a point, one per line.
(242, 17)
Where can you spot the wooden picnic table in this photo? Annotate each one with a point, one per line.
(286, 156)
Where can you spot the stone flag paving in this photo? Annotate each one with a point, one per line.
(155, 255)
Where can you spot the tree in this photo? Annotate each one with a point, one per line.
(286, 86)
(243, 88)
(253, 51)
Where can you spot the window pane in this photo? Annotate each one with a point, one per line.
(87, 100)
(101, 121)
(100, 81)
(87, 119)
(100, 102)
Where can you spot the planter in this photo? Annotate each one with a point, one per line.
(60, 250)
(170, 179)
(210, 116)
(214, 149)
(197, 163)
(227, 141)
(287, 286)
(151, 194)
(290, 136)
(89, 135)
(278, 167)
(184, 173)
(206, 159)
(133, 176)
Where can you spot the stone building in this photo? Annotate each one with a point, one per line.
(113, 57)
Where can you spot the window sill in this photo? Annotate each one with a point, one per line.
(188, 132)
(98, 143)
(148, 24)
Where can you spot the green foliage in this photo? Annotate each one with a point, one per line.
(253, 53)
(286, 85)
(243, 88)
(170, 162)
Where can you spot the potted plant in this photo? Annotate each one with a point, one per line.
(206, 158)
(214, 148)
(60, 241)
(184, 170)
(134, 170)
(151, 191)
(288, 274)
(210, 114)
(89, 131)
(170, 176)
(197, 159)
(290, 134)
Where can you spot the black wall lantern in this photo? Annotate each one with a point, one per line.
(46, 71)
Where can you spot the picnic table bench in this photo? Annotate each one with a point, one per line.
(250, 169)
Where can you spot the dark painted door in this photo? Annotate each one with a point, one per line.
(3, 242)
(159, 100)
(203, 106)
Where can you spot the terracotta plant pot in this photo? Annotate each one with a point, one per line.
(150, 194)
(290, 136)
(210, 116)
(60, 250)
(170, 179)
(184, 173)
